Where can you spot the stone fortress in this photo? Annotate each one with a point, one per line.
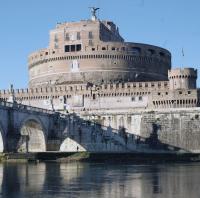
(89, 69)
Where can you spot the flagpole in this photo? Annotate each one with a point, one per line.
(183, 54)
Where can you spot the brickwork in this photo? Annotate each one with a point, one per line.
(93, 51)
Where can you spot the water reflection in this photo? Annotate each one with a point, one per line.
(99, 180)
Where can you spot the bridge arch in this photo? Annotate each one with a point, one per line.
(1, 139)
(32, 135)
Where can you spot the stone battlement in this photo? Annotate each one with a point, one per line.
(135, 86)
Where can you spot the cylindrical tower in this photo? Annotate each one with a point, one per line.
(93, 51)
(182, 78)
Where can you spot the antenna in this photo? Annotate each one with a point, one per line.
(93, 12)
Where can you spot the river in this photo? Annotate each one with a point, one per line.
(59, 180)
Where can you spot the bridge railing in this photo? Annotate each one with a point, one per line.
(25, 107)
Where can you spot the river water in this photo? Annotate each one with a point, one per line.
(95, 180)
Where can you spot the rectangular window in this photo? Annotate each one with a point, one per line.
(78, 47)
(66, 48)
(56, 38)
(90, 43)
(140, 98)
(90, 36)
(56, 45)
(78, 35)
(72, 48)
(67, 36)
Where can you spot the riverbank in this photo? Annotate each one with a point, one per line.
(100, 157)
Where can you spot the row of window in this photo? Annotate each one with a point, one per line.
(183, 76)
(73, 48)
(177, 102)
(75, 36)
(180, 92)
(133, 50)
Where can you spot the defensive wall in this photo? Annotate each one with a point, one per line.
(80, 97)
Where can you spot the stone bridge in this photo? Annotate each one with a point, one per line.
(30, 129)
(25, 128)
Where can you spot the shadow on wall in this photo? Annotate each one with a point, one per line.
(87, 135)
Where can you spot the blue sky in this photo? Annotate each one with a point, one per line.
(25, 25)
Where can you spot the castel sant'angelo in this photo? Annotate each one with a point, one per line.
(89, 69)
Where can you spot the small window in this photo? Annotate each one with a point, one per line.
(72, 48)
(66, 48)
(103, 48)
(189, 92)
(132, 99)
(159, 93)
(56, 38)
(93, 49)
(56, 45)
(90, 36)
(46, 53)
(90, 43)
(140, 98)
(113, 48)
(78, 47)
(180, 92)
(166, 93)
(78, 35)
(67, 36)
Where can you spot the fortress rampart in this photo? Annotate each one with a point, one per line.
(90, 97)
